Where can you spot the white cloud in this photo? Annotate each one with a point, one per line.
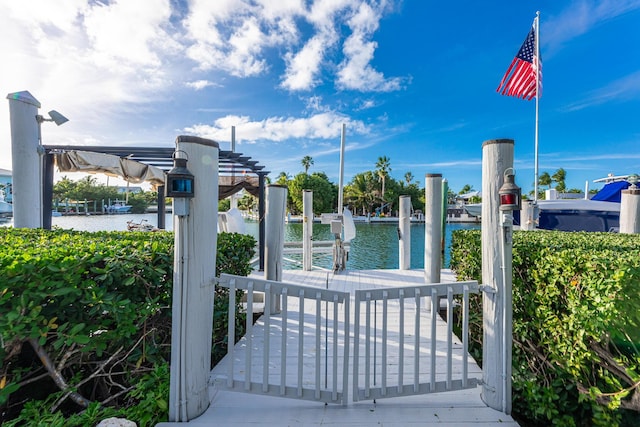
(580, 17)
(619, 90)
(324, 125)
(201, 84)
(356, 71)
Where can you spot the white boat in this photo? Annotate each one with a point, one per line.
(143, 225)
(118, 208)
(600, 213)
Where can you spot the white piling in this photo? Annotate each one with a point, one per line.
(630, 211)
(276, 196)
(497, 156)
(432, 227)
(528, 215)
(307, 229)
(404, 233)
(193, 283)
(25, 158)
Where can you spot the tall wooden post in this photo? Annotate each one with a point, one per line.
(630, 211)
(26, 168)
(497, 156)
(307, 229)
(528, 215)
(432, 227)
(404, 233)
(276, 196)
(194, 272)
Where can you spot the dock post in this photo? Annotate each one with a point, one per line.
(404, 233)
(194, 272)
(528, 215)
(307, 229)
(432, 227)
(276, 196)
(497, 156)
(25, 158)
(630, 211)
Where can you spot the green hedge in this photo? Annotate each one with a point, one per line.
(576, 325)
(90, 313)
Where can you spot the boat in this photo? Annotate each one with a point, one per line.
(600, 213)
(143, 225)
(118, 208)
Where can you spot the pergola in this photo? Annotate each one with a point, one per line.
(236, 172)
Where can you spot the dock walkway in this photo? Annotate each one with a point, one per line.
(454, 409)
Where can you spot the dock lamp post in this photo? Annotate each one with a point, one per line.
(46, 168)
(179, 184)
(510, 200)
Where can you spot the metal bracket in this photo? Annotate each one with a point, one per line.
(488, 289)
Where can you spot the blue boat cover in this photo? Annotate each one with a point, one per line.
(611, 192)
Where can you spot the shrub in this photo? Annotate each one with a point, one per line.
(89, 314)
(576, 324)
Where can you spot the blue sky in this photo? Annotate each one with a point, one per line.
(413, 80)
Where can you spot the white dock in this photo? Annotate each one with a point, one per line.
(453, 408)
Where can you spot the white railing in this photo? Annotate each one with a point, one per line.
(379, 380)
(286, 341)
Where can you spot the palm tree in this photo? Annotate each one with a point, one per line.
(545, 179)
(383, 168)
(359, 192)
(559, 178)
(466, 189)
(408, 177)
(283, 178)
(306, 161)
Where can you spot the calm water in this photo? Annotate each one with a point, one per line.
(375, 245)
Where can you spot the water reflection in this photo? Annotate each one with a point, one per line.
(375, 245)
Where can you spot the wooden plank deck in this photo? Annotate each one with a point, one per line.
(454, 409)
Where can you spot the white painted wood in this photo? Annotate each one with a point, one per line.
(404, 233)
(432, 227)
(25, 160)
(457, 408)
(497, 156)
(276, 197)
(528, 215)
(278, 328)
(630, 211)
(307, 229)
(193, 283)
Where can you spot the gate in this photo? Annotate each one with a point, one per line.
(384, 374)
(303, 352)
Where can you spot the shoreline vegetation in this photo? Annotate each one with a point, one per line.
(98, 305)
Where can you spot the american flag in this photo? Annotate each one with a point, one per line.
(520, 78)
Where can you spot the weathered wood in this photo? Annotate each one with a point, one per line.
(276, 196)
(432, 227)
(27, 201)
(528, 215)
(193, 281)
(497, 156)
(630, 211)
(404, 233)
(307, 229)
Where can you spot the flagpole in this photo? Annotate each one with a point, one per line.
(535, 184)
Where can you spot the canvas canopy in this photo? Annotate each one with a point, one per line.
(93, 162)
(137, 172)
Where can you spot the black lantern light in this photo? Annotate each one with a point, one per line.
(179, 184)
(510, 196)
(179, 181)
